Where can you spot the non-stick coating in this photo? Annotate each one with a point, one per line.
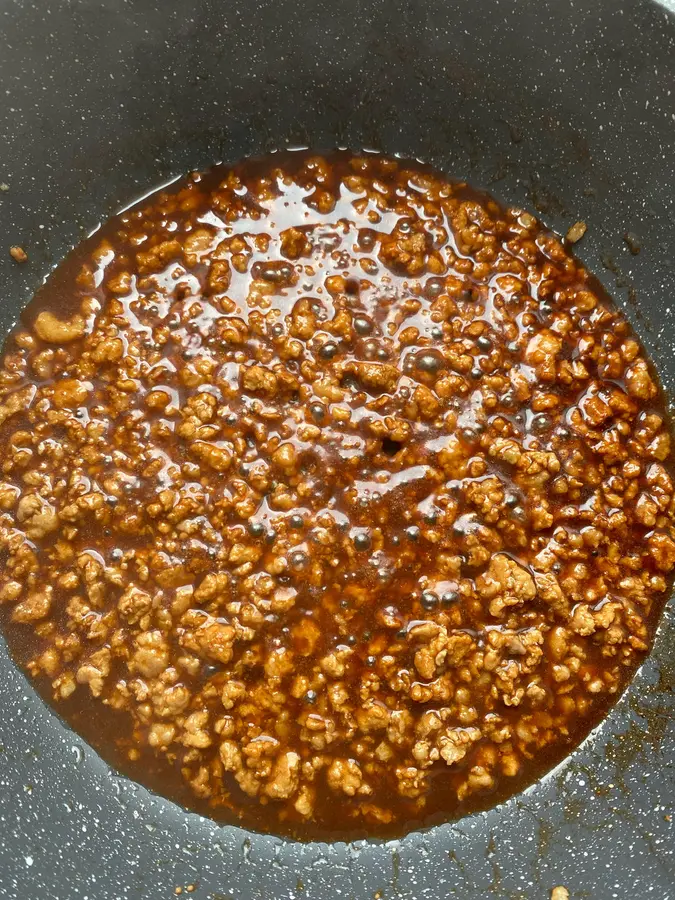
(565, 107)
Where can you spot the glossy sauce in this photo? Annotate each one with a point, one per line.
(426, 454)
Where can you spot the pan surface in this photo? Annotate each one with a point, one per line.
(565, 108)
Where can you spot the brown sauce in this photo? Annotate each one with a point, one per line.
(335, 497)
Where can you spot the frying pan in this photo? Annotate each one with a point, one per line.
(567, 108)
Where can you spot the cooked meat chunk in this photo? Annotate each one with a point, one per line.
(285, 777)
(505, 584)
(345, 775)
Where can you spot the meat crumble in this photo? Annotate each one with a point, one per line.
(343, 491)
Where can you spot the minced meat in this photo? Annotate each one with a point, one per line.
(345, 488)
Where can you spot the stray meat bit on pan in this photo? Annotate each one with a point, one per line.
(18, 254)
(576, 232)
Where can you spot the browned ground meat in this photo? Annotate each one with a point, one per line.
(343, 489)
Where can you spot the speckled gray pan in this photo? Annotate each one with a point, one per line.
(565, 106)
